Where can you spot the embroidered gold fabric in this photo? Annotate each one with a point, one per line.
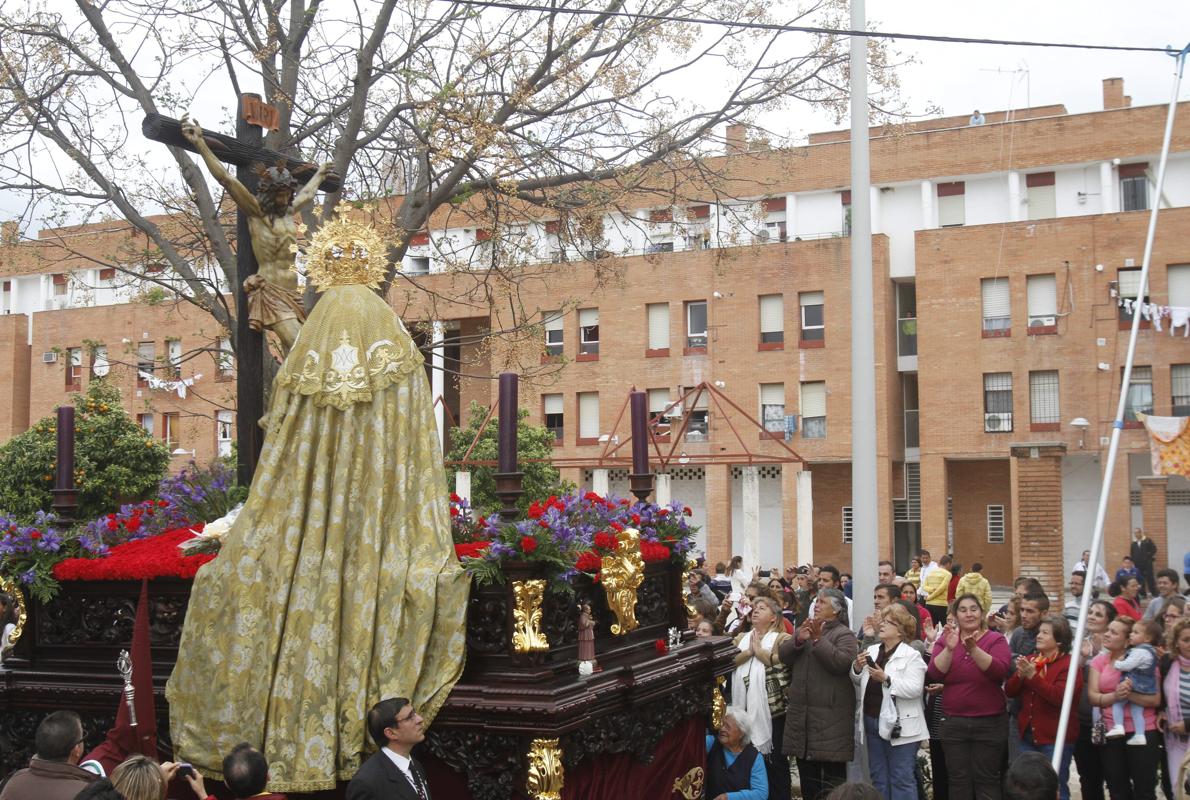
(344, 356)
(337, 585)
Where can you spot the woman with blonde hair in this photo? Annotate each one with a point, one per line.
(758, 689)
(141, 778)
(891, 677)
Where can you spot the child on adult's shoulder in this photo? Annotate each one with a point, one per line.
(1139, 665)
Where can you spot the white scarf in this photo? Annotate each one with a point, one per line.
(754, 700)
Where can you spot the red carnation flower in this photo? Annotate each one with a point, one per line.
(163, 503)
(454, 512)
(624, 501)
(132, 525)
(535, 510)
(636, 519)
(592, 497)
(112, 525)
(528, 544)
(454, 498)
(686, 511)
(588, 562)
(661, 646)
(111, 516)
(482, 521)
(35, 535)
(543, 524)
(663, 512)
(617, 527)
(605, 540)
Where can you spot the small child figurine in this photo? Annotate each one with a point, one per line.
(1138, 665)
(586, 641)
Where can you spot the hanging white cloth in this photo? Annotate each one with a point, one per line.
(755, 695)
(162, 385)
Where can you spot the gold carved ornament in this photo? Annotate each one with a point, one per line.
(691, 611)
(622, 572)
(690, 785)
(10, 588)
(527, 636)
(545, 776)
(718, 704)
(346, 251)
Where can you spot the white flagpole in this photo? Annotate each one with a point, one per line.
(1117, 424)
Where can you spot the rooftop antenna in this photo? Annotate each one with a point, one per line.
(1023, 69)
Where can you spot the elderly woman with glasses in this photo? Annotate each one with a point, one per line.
(734, 767)
(820, 713)
(891, 679)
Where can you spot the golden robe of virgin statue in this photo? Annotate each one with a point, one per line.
(337, 585)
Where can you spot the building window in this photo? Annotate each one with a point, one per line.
(995, 524)
(848, 525)
(551, 412)
(696, 324)
(173, 349)
(813, 318)
(552, 321)
(772, 407)
(1134, 187)
(1039, 188)
(698, 427)
(60, 286)
(588, 417)
(99, 363)
(1179, 378)
(997, 402)
(74, 367)
(417, 265)
(170, 429)
(146, 422)
(1042, 296)
(774, 220)
(951, 204)
(997, 314)
(1140, 395)
(698, 237)
(1128, 285)
(588, 331)
(657, 319)
(845, 197)
(1179, 284)
(146, 362)
(658, 411)
(107, 274)
(223, 429)
(813, 409)
(1043, 400)
(224, 359)
(772, 319)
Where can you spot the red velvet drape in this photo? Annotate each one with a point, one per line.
(622, 777)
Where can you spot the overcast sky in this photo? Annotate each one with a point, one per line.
(961, 77)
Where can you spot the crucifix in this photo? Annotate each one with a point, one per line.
(266, 197)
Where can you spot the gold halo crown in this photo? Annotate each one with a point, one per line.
(345, 251)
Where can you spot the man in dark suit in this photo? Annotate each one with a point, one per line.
(392, 774)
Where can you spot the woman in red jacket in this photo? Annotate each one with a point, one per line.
(1040, 681)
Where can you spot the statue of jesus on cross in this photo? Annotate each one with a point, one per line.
(274, 301)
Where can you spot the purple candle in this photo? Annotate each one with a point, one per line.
(640, 436)
(65, 476)
(506, 438)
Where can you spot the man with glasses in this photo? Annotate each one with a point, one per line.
(392, 774)
(53, 773)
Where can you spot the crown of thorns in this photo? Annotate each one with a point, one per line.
(275, 177)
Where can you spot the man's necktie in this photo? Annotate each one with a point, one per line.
(417, 784)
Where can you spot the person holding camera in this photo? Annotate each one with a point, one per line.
(891, 676)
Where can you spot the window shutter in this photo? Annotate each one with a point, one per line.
(845, 197)
(1179, 285)
(1039, 179)
(552, 320)
(1133, 170)
(952, 189)
(995, 298)
(588, 317)
(1042, 291)
(772, 394)
(419, 240)
(811, 298)
(772, 313)
(813, 399)
(658, 319)
(658, 400)
(698, 212)
(588, 415)
(772, 204)
(551, 403)
(1129, 283)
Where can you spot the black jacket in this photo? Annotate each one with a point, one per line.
(379, 779)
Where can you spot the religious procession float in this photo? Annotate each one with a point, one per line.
(549, 647)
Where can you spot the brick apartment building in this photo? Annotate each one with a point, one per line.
(998, 254)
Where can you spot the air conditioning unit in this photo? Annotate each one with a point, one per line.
(49, 357)
(675, 412)
(762, 235)
(997, 422)
(1037, 322)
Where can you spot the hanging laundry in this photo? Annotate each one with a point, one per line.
(162, 385)
(1169, 444)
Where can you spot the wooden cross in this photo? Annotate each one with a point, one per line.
(243, 151)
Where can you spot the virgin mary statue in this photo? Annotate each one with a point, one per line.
(337, 585)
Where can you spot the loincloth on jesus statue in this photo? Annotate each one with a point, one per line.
(269, 304)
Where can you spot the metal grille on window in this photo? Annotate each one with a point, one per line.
(995, 524)
(848, 525)
(1179, 377)
(997, 402)
(765, 471)
(1043, 398)
(1134, 193)
(913, 490)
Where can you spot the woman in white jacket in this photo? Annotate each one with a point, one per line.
(891, 678)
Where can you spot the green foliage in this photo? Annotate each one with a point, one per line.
(533, 442)
(115, 459)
